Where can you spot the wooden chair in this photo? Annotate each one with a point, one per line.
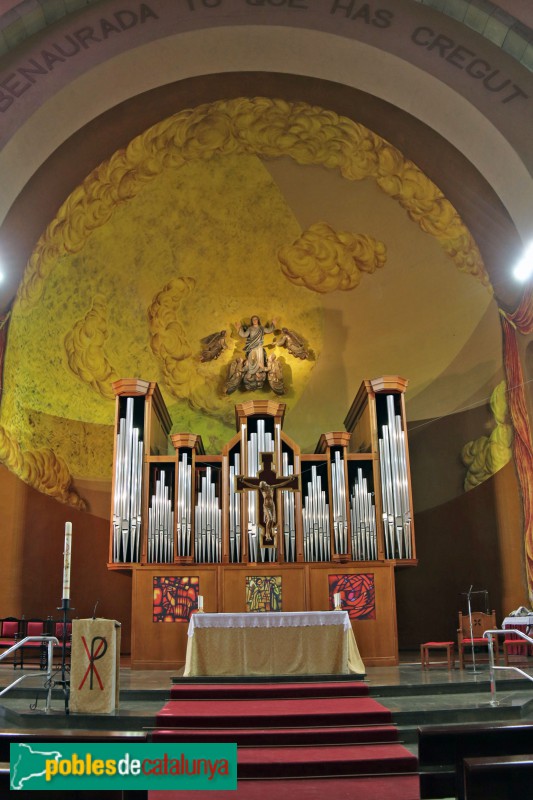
(518, 648)
(514, 645)
(468, 638)
(428, 647)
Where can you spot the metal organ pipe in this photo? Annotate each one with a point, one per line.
(234, 513)
(260, 441)
(289, 526)
(340, 520)
(128, 489)
(395, 488)
(161, 522)
(207, 522)
(183, 512)
(315, 513)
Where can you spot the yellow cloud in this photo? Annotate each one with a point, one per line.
(483, 457)
(325, 260)
(270, 128)
(84, 346)
(41, 469)
(170, 345)
(168, 338)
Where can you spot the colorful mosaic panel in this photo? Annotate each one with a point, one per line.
(175, 598)
(263, 593)
(357, 594)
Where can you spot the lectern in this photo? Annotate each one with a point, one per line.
(95, 665)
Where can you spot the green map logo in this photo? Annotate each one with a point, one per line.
(58, 766)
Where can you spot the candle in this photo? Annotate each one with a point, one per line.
(66, 560)
(200, 603)
(336, 600)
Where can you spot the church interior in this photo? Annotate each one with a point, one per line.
(246, 246)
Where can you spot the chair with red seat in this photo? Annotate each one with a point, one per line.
(428, 647)
(10, 632)
(470, 635)
(514, 645)
(35, 651)
(57, 631)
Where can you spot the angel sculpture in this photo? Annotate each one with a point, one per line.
(293, 342)
(253, 368)
(275, 374)
(213, 344)
(235, 373)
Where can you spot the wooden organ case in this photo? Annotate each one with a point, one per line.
(192, 521)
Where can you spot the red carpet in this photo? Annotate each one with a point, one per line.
(298, 741)
(254, 737)
(229, 691)
(400, 787)
(253, 713)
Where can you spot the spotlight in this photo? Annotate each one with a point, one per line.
(524, 268)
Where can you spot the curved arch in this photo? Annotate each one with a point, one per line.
(514, 31)
(345, 60)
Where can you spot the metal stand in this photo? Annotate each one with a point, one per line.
(468, 595)
(64, 682)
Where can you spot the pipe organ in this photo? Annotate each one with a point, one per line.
(262, 506)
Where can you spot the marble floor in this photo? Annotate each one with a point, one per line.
(407, 673)
(414, 695)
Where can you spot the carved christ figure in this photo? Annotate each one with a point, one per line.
(267, 484)
(269, 513)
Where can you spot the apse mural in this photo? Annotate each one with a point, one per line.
(357, 594)
(263, 593)
(251, 206)
(175, 598)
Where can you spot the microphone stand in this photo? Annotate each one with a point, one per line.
(468, 598)
(469, 603)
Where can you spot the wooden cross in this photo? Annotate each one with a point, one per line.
(267, 484)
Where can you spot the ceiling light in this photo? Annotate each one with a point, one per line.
(524, 268)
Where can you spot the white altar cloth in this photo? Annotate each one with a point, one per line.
(518, 622)
(272, 643)
(265, 619)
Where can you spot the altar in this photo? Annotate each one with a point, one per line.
(279, 643)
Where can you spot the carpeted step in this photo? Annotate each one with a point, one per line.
(297, 745)
(252, 713)
(393, 787)
(307, 762)
(254, 737)
(235, 691)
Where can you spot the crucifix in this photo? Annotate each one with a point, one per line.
(267, 484)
